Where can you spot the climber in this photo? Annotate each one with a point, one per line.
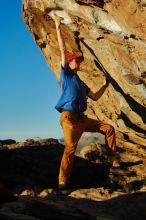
(72, 104)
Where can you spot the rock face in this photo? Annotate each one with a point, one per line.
(111, 36)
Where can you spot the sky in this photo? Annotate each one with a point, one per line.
(28, 89)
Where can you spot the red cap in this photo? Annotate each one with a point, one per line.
(71, 56)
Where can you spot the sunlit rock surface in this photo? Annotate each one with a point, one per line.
(111, 35)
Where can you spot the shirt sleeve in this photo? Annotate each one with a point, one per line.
(63, 74)
(65, 69)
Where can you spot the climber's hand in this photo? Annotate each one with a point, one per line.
(58, 20)
(106, 82)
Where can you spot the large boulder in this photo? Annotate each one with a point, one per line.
(111, 36)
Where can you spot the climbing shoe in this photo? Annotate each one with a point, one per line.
(61, 185)
(114, 161)
(62, 189)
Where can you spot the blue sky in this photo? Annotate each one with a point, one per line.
(28, 89)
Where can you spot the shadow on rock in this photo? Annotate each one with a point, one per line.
(39, 166)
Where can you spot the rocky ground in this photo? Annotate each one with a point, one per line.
(29, 170)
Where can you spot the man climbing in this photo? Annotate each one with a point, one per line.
(71, 105)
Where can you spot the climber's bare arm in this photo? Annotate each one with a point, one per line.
(60, 40)
(95, 96)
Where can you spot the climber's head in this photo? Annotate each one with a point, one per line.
(74, 61)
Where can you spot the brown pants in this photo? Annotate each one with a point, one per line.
(73, 127)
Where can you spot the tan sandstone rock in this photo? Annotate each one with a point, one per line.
(111, 35)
